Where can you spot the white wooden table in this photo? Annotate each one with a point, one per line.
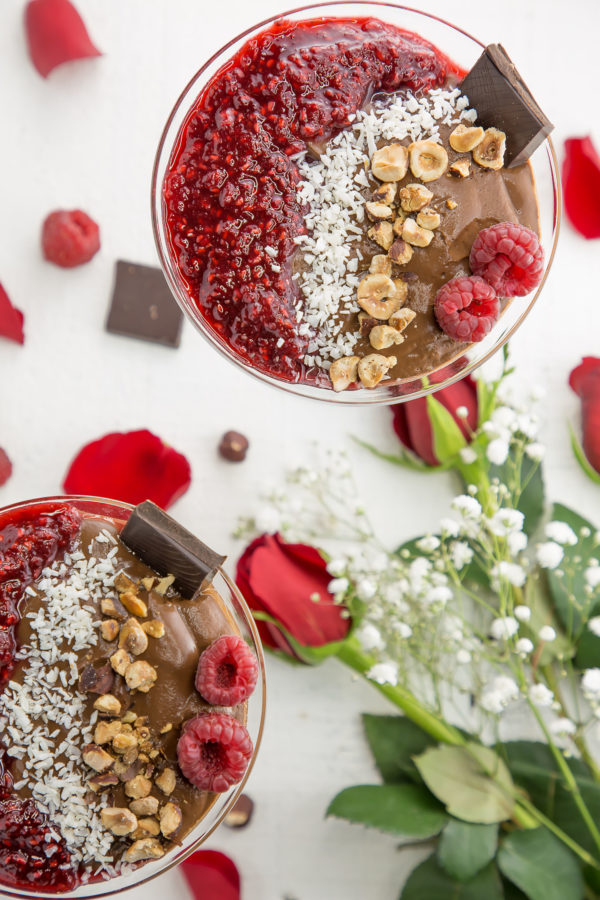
(86, 138)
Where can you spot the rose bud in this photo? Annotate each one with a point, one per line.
(282, 582)
(412, 421)
(585, 381)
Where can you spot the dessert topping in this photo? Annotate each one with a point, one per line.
(214, 751)
(120, 661)
(137, 787)
(234, 446)
(145, 806)
(119, 821)
(227, 671)
(386, 193)
(96, 758)
(467, 308)
(382, 233)
(108, 704)
(146, 848)
(170, 819)
(133, 638)
(428, 160)
(382, 264)
(415, 235)
(461, 168)
(509, 257)
(70, 238)
(373, 367)
(140, 676)
(401, 252)
(344, 372)
(96, 680)
(428, 218)
(166, 781)
(390, 163)
(414, 197)
(109, 629)
(402, 318)
(383, 336)
(154, 628)
(489, 153)
(134, 604)
(464, 139)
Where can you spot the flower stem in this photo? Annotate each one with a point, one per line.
(554, 684)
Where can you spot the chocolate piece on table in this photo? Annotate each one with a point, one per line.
(503, 100)
(170, 549)
(241, 812)
(233, 446)
(143, 307)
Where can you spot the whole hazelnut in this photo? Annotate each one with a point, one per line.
(234, 446)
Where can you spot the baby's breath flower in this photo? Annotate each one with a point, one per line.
(461, 554)
(438, 595)
(462, 412)
(428, 544)
(506, 521)
(384, 673)
(524, 646)
(404, 630)
(463, 656)
(497, 451)
(468, 455)
(512, 572)
(563, 726)
(516, 542)
(370, 637)
(336, 566)
(496, 697)
(549, 554)
(522, 613)
(590, 684)
(365, 589)
(503, 628)
(585, 532)
(594, 625)
(449, 528)
(561, 533)
(592, 576)
(547, 634)
(468, 507)
(535, 451)
(541, 695)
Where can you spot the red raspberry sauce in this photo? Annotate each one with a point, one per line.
(29, 541)
(230, 191)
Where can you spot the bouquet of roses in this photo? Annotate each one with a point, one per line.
(493, 615)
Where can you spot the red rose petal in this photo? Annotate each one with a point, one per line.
(581, 186)
(11, 319)
(585, 381)
(131, 467)
(212, 876)
(56, 34)
(279, 579)
(5, 467)
(589, 366)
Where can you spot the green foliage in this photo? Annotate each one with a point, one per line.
(394, 740)
(430, 881)
(403, 809)
(403, 458)
(539, 600)
(588, 646)
(568, 593)
(472, 781)
(582, 458)
(448, 439)
(310, 655)
(531, 501)
(540, 865)
(464, 849)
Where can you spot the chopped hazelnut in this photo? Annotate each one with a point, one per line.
(415, 235)
(399, 222)
(464, 139)
(145, 806)
(428, 160)
(96, 758)
(102, 782)
(96, 681)
(146, 848)
(451, 204)
(146, 828)
(130, 755)
(166, 728)
(134, 604)
(164, 584)
(401, 319)
(373, 367)
(138, 787)
(109, 629)
(119, 821)
(384, 336)
(378, 211)
(120, 661)
(170, 819)
(390, 163)
(489, 153)
(140, 676)
(414, 197)
(113, 608)
(148, 582)
(461, 168)
(382, 233)
(380, 265)
(385, 193)
(108, 704)
(106, 731)
(154, 628)
(428, 218)
(133, 638)
(123, 742)
(401, 252)
(124, 583)
(129, 717)
(166, 781)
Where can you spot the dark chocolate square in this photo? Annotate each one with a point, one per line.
(503, 100)
(143, 307)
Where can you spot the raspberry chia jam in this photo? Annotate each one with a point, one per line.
(106, 689)
(271, 252)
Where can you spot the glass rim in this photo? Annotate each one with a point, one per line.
(359, 397)
(77, 893)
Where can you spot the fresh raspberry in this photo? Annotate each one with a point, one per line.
(227, 671)
(467, 308)
(509, 257)
(214, 751)
(70, 238)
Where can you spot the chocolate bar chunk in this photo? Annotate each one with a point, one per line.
(143, 307)
(166, 546)
(503, 100)
(241, 812)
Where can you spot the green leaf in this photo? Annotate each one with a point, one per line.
(430, 882)
(404, 458)
(582, 458)
(448, 439)
(588, 646)
(394, 740)
(568, 594)
(310, 655)
(540, 865)
(461, 777)
(406, 809)
(511, 891)
(464, 849)
(539, 599)
(531, 501)
(486, 400)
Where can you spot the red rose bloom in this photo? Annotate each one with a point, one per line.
(412, 423)
(585, 381)
(280, 579)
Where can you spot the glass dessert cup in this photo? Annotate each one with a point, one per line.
(462, 49)
(236, 608)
